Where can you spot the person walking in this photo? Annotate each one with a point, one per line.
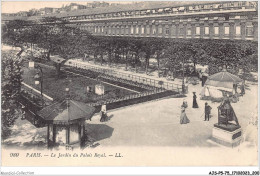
(184, 104)
(184, 119)
(103, 114)
(207, 111)
(195, 104)
(242, 88)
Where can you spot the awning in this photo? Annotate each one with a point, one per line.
(223, 79)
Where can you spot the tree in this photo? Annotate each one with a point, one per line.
(52, 34)
(15, 33)
(173, 62)
(11, 89)
(158, 49)
(148, 53)
(249, 57)
(135, 48)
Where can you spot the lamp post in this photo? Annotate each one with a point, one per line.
(39, 79)
(183, 85)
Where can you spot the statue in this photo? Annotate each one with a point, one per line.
(226, 113)
(223, 132)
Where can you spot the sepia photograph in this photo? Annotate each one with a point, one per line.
(129, 83)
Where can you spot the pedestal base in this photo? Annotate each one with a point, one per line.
(225, 137)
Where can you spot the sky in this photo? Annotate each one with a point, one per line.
(16, 6)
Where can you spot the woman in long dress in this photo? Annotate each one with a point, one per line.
(195, 104)
(103, 114)
(183, 119)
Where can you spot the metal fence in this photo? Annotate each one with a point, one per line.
(127, 97)
(130, 77)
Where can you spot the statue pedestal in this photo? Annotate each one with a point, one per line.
(228, 135)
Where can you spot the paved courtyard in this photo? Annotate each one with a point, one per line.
(157, 123)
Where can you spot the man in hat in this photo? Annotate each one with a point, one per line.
(207, 111)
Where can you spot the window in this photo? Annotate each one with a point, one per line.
(142, 30)
(226, 30)
(197, 30)
(132, 29)
(206, 30)
(249, 31)
(216, 30)
(137, 30)
(154, 31)
(189, 32)
(118, 30)
(238, 30)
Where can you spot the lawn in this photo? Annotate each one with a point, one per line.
(55, 87)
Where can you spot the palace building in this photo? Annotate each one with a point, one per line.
(235, 20)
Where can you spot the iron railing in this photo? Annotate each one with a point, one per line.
(131, 77)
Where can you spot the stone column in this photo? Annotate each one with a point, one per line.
(243, 30)
(164, 30)
(177, 30)
(125, 29)
(145, 29)
(156, 28)
(211, 30)
(151, 30)
(221, 30)
(184, 30)
(172, 30)
(231, 30)
(202, 33)
(193, 30)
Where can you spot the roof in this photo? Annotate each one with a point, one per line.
(66, 112)
(147, 5)
(223, 79)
